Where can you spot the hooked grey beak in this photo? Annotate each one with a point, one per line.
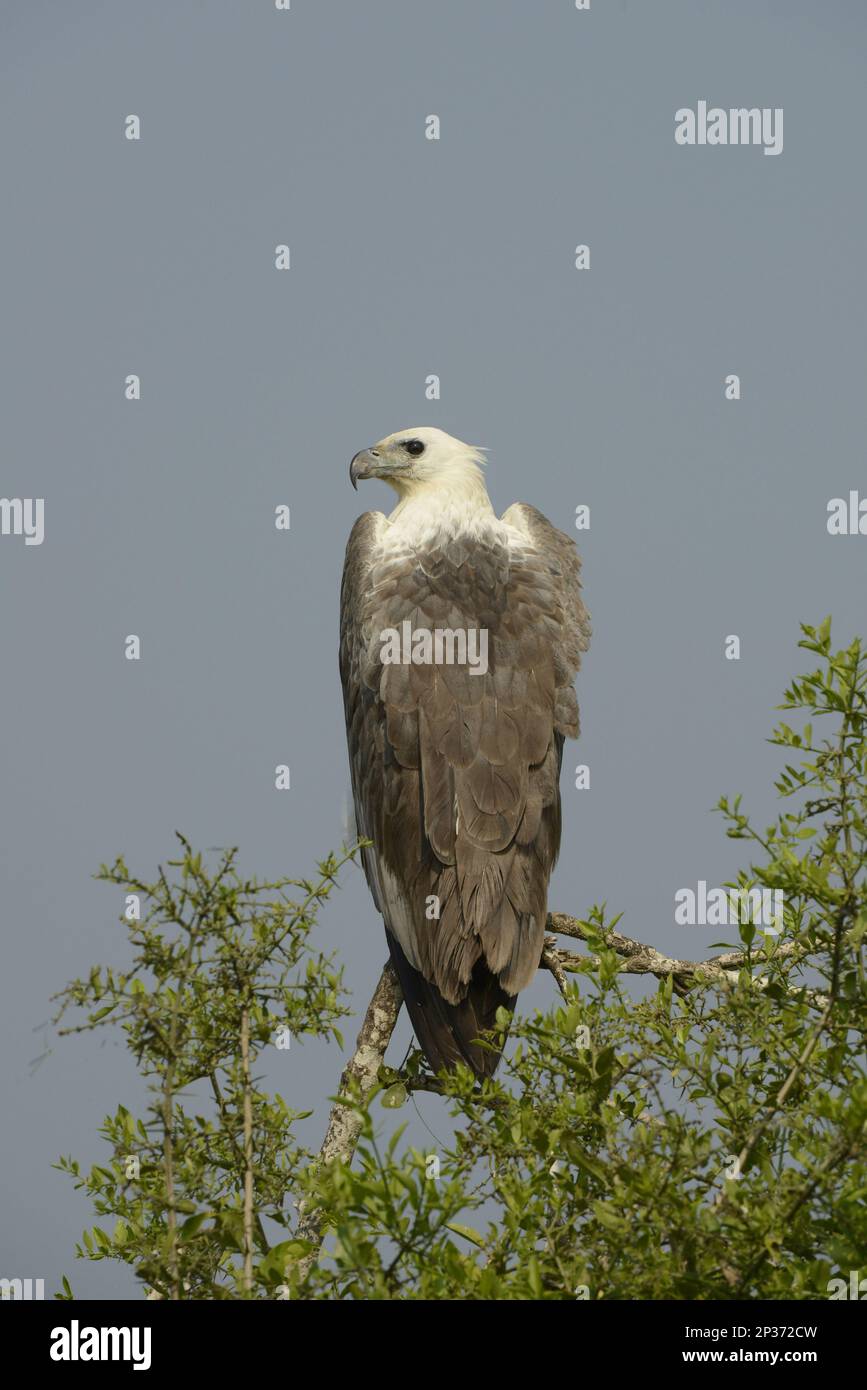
(362, 466)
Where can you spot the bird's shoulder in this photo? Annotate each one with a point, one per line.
(534, 528)
(551, 557)
(364, 533)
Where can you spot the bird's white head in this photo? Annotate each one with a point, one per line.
(417, 459)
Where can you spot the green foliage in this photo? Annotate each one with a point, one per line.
(222, 966)
(705, 1142)
(709, 1143)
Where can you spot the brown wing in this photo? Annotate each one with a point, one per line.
(455, 775)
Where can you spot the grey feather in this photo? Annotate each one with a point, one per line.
(455, 775)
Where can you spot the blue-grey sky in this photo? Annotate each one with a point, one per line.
(409, 257)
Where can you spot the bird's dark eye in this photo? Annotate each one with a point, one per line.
(414, 447)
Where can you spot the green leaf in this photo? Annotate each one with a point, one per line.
(394, 1097)
(193, 1224)
(468, 1232)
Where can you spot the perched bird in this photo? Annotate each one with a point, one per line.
(455, 740)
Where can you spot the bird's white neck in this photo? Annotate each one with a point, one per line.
(454, 499)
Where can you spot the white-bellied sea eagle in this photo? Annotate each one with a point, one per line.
(460, 637)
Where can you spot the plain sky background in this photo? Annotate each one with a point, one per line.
(408, 257)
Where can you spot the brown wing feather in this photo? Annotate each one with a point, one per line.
(455, 775)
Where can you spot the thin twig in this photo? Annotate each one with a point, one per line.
(248, 1149)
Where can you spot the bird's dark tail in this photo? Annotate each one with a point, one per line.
(447, 1032)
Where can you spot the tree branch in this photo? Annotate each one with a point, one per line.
(640, 959)
(359, 1078)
